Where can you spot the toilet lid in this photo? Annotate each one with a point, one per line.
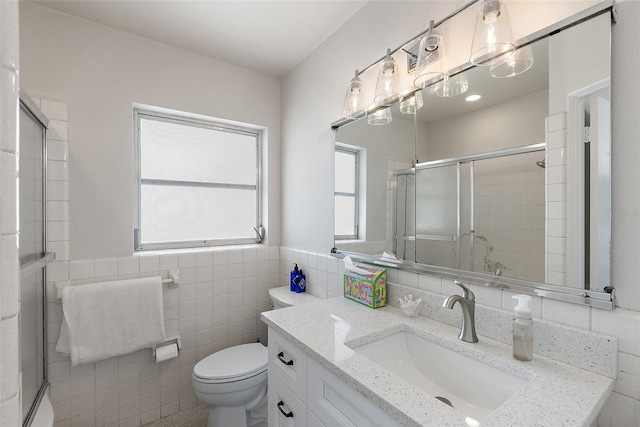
(285, 297)
(236, 362)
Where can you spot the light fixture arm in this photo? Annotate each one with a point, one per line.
(419, 35)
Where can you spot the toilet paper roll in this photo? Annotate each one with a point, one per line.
(166, 352)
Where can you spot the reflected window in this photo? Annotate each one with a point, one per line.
(346, 193)
(198, 182)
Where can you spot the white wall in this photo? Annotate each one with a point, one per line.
(100, 72)
(513, 123)
(392, 142)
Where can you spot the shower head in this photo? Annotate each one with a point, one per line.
(541, 163)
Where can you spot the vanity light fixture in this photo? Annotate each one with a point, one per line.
(382, 116)
(493, 39)
(516, 63)
(432, 65)
(353, 108)
(456, 85)
(473, 98)
(411, 104)
(388, 85)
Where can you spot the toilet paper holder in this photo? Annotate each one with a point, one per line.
(168, 341)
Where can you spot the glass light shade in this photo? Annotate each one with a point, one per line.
(412, 104)
(493, 38)
(432, 65)
(380, 117)
(388, 85)
(353, 108)
(456, 85)
(516, 63)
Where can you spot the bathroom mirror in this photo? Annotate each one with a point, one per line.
(381, 151)
(505, 189)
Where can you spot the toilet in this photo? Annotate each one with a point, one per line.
(233, 381)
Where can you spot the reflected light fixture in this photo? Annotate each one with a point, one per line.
(411, 104)
(431, 68)
(382, 116)
(472, 98)
(353, 108)
(493, 39)
(388, 84)
(456, 85)
(516, 63)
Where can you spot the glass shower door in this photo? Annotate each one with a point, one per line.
(33, 258)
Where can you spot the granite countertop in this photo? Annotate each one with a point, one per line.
(556, 394)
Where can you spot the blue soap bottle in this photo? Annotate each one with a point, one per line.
(293, 275)
(300, 282)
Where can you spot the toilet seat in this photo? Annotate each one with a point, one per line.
(232, 364)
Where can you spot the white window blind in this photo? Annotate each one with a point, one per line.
(198, 182)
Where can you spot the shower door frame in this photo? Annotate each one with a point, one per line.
(458, 162)
(31, 109)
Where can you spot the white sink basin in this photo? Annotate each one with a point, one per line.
(472, 387)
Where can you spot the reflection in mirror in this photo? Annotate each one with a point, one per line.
(381, 151)
(504, 185)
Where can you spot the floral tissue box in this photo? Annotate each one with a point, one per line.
(370, 289)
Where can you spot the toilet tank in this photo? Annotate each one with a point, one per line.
(282, 297)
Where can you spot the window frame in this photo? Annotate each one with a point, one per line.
(211, 123)
(356, 194)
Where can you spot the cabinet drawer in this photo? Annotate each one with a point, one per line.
(288, 363)
(334, 403)
(285, 409)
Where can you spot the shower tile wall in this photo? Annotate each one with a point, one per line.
(10, 406)
(557, 201)
(510, 216)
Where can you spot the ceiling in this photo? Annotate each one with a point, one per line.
(492, 90)
(270, 37)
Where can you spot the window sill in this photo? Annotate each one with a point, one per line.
(199, 249)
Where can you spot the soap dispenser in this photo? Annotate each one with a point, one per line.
(292, 277)
(522, 329)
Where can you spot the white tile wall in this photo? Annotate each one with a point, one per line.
(509, 212)
(556, 216)
(10, 402)
(210, 310)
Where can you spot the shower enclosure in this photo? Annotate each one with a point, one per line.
(33, 256)
(483, 213)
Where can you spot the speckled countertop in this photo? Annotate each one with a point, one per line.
(556, 394)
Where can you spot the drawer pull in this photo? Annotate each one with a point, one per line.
(286, 414)
(286, 362)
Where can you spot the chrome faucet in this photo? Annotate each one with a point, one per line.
(468, 305)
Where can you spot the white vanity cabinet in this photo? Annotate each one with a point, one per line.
(303, 393)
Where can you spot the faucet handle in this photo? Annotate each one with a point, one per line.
(466, 292)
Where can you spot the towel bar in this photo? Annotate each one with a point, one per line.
(172, 282)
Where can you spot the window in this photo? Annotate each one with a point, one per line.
(197, 182)
(346, 193)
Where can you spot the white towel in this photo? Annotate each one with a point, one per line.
(108, 319)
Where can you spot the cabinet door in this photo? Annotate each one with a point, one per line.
(285, 409)
(313, 421)
(288, 363)
(337, 404)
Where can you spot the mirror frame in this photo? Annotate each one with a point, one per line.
(604, 300)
